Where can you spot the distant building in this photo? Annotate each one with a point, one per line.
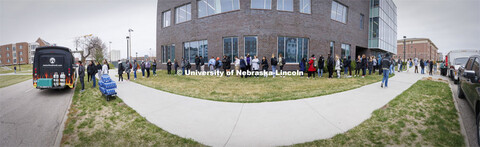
(20, 53)
(421, 48)
(115, 55)
(440, 57)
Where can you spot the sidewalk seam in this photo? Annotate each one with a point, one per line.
(234, 126)
(318, 113)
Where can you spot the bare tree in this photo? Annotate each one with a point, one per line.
(90, 46)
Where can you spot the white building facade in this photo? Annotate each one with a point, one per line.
(382, 36)
(115, 55)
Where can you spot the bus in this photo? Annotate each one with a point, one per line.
(54, 68)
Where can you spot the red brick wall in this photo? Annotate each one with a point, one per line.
(420, 50)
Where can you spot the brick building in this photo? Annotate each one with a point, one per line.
(293, 28)
(421, 48)
(20, 53)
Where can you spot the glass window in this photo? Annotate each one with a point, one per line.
(21, 59)
(8, 60)
(293, 49)
(285, 5)
(332, 49)
(14, 48)
(8, 48)
(251, 45)
(476, 66)
(361, 21)
(261, 4)
(195, 48)
(339, 12)
(166, 18)
(305, 6)
(468, 66)
(21, 47)
(345, 50)
(230, 47)
(183, 13)
(14, 60)
(8, 54)
(210, 7)
(20, 53)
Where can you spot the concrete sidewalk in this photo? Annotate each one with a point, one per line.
(261, 124)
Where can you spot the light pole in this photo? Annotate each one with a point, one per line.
(130, 43)
(136, 55)
(404, 46)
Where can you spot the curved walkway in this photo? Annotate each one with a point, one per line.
(261, 124)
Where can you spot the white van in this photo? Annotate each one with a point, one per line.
(456, 59)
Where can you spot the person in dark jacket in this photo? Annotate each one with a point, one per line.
(370, 65)
(121, 68)
(175, 65)
(385, 67)
(143, 68)
(243, 67)
(197, 63)
(422, 66)
(90, 71)
(364, 65)
(274, 62)
(330, 65)
(226, 65)
(345, 66)
(94, 71)
(248, 60)
(265, 66)
(358, 66)
(430, 65)
(202, 63)
(154, 67)
(81, 74)
(349, 64)
(128, 68)
(321, 65)
(302, 66)
(169, 66)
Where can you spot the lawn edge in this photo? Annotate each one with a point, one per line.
(460, 120)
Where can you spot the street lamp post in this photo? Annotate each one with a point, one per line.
(404, 46)
(136, 55)
(129, 44)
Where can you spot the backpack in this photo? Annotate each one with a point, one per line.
(130, 65)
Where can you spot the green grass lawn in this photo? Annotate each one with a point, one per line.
(423, 115)
(92, 121)
(13, 79)
(252, 90)
(25, 68)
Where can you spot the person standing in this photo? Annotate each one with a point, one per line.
(321, 65)
(147, 68)
(135, 68)
(14, 69)
(338, 66)
(94, 71)
(370, 65)
(255, 65)
(422, 66)
(416, 65)
(105, 67)
(89, 71)
(154, 67)
(128, 67)
(330, 65)
(358, 66)
(243, 67)
(237, 65)
(311, 66)
(175, 65)
(226, 65)
(248, 60)
(143, 69)
(379, 63)
(169, 66)
(364, 65)
(182, 65)
(188, 66)
(274, 63)
(81, 74)
(265, 66)
(281, 63)
(218, 65)
(345, 66)
(202, 64)
(121, 68)
(374, 62)
(431, 67)
(302, 65)
(385, 68)
(211, 64)
(197, 63)
(99, 69)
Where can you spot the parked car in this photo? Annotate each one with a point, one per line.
(456, 59)
(469, 86)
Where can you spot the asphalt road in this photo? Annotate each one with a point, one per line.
(31, 117)
(467, 115)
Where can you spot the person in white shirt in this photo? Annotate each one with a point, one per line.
(255, 65)
(237, 64)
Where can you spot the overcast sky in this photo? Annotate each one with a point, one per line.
(450, 24)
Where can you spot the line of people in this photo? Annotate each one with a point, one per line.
(129, 67)
(92, 69)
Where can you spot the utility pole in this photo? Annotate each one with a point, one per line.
(129, 48)
(404, 46)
